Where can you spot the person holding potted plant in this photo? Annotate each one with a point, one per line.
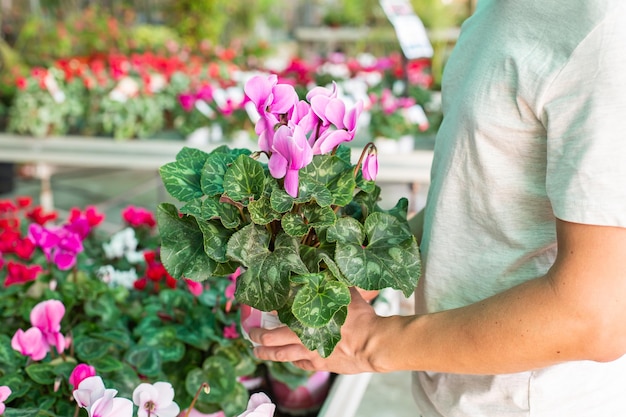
(520, 308)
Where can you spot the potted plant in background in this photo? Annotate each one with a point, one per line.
(297, 216)
(74, 294)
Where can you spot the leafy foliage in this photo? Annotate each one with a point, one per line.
(299, 255)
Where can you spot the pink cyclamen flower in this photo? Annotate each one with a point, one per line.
(230, 332)
(81, 372)
(259, 405)
(292, 152)
(194, 287)
(4, 394)
(370, 166)
(30, 343)
(47, 316)
(109, 406)
(155, 400)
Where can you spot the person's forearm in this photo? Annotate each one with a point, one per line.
(574, 313)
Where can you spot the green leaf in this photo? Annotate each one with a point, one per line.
(244, 364)
(244, 180)
(261, 211)
(181, 178)
(218, 373)
(390, 259)
(8, 355)
(215, 166)
(312, 190)
(312, 215)
(41, 373)
(314, 258)
(118, 337)
(342, 188)
(195, 208)
(265, 283)
(323, 339)
(281, 201)
(182, 245)
(319, 299)
(235, 401)
(106, 364)
(88, 348)
(24, 412)
(215, 238)
(145, 359)
(19, 387)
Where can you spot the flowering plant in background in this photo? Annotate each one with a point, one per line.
(80, 303)
(299, 219)
(393, 116)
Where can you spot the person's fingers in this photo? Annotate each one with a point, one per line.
(285, 353)
(273, 337)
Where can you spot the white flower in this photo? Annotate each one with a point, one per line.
(259, 405)
(121, 244)
(108, 406)
(158, 399)
(114, 277)
(89, 390)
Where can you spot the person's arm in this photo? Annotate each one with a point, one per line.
(575, 312)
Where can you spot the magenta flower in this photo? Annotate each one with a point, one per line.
(370, 166)
(80, 373)
(155, 400)
(292, 152)
(230, 332)
(194, 287)
(30, 343)
(47, 316)
(332, 111)
(259, 405)
(187, 101)
(271, 100)
(60, 245)
(4, 394)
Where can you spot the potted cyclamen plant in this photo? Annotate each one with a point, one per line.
(299, 218)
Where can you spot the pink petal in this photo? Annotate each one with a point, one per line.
(47, 316)
(4, 393)
(285, 97)
(370, 167)
(258, 90)
(292, 182)
(327, 142)
(335, 111)
(277, 165)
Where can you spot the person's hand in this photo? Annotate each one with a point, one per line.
(351, 355)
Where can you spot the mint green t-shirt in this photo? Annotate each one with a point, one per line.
(534, 129)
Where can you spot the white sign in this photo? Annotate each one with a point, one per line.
(409, 29)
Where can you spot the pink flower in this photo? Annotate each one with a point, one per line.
(47, 316)
(4, 394)
(81, 372)
(292, 152)
(370, 166)
(230, 332)
(30, 343)
(194, 287)
(138, 216)
(61, 245)
(155, 400)
(259, 405)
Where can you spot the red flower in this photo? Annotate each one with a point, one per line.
(38, 216)
(24, 201)
(24, 248)
(138, 216)
(20, 274)
(140, 284)
(21, 83)
(91, 214)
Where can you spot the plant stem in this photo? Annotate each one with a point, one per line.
(366, 150)
(206, 387)
(76, 411)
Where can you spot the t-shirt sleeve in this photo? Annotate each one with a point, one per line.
(584, 113)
